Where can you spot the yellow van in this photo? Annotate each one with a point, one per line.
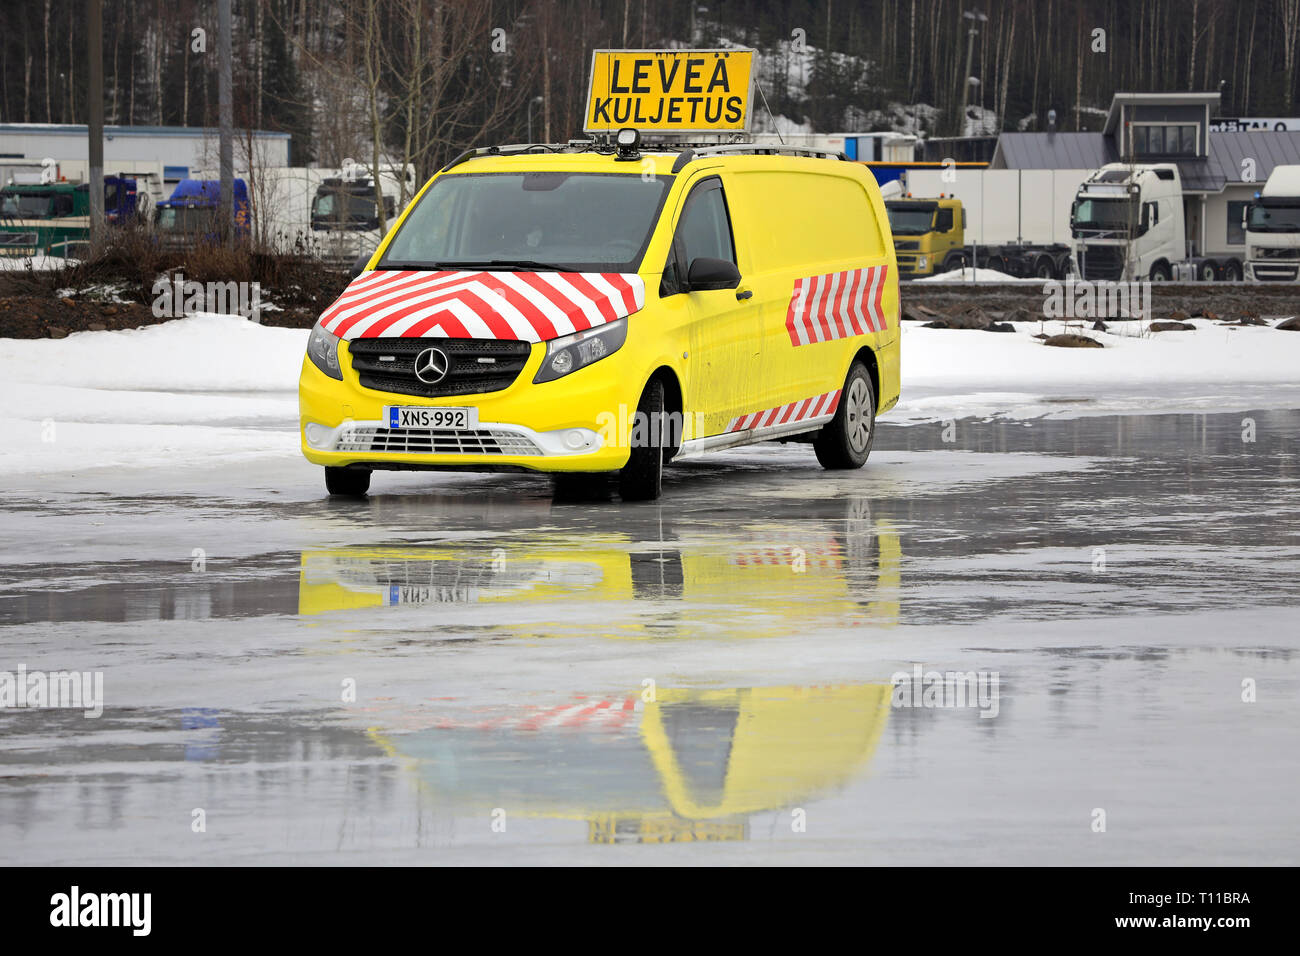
(606, 308)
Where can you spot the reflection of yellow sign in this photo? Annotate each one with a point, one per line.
(671, 91)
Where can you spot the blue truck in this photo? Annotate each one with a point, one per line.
(188, 217)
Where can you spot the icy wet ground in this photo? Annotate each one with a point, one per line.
(1121, 575)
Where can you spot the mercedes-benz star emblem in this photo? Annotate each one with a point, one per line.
(431, 366)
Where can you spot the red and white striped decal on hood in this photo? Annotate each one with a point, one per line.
(837, 305)
(525, 306)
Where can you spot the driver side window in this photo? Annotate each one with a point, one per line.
(703, 230)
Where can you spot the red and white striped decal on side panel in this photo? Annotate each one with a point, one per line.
(837, 305)
(818, 405)
(525, 306)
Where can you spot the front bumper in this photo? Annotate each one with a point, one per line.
(569, 425)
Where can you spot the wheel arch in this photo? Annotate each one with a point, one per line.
(867, 356)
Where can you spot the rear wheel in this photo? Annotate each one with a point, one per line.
(1207, 272)
(1232, 271)
(1043, 268)
(845, 441)
(347, 482)
(641, 479)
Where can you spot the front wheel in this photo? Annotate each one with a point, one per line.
(641, 479)
(845, 441)
(1160, 272)
(347, 482)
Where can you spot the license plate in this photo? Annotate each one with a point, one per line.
(422, 416)
(430, 594)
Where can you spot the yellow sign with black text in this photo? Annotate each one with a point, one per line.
(670, 91)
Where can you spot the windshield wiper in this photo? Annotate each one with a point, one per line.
(508, 265)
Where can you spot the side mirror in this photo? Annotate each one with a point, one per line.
(707, 274)
(359, 266)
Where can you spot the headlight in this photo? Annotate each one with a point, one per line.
(572, 352)
(323, 350)
(922, 261)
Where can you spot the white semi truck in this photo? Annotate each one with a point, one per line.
(1127, 223)
(344, 218)
(1273, 229)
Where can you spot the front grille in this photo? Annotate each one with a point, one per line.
(1103, 262)
(475, 365)
(1275, 273)
(25, 239)
(911, 245)
(435, 441)
(1266, 252)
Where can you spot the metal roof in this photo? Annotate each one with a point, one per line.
(1228, 151)
(1053, 151)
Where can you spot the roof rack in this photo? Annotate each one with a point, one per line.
(685, 152)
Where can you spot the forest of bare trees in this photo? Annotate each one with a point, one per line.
(422, 79)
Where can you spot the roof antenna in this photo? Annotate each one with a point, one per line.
(769, 112)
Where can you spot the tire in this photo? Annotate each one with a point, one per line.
(641, 479)
(1232, 271)
(1160, 272)
(953, 263)
(347, 482)
(845, 441)
(1207, 271)
(1043, 268)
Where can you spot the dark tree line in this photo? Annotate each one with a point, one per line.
(426, 78)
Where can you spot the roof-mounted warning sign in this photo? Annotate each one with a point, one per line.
(670, 91)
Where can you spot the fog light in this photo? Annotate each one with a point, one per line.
(318, 436)
(575, 439)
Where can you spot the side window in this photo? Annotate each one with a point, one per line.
(943, 222)
(703, 230)
(63, 205)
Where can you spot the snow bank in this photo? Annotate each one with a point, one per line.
(976, 275)
(950, 373)
(194, 391)
(203, 352)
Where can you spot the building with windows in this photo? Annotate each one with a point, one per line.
(1221, 169)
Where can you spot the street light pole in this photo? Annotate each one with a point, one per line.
(974, 16)
(95, 121)
(225, 120)
(531, 103)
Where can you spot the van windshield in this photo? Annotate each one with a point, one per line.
(543, 221)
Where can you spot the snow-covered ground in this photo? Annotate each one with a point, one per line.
(211, 388)
(36, 263)
(977, 275)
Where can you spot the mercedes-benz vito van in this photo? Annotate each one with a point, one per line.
(608, 308)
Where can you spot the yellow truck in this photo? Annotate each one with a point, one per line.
(930, 238)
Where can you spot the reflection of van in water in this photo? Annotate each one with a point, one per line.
(690, 765)
(581, 309)
(813, 575)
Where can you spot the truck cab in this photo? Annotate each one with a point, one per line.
(929, 234)
(345, 216)
(188, 217)
(1273, 229)
(1127, 223)
(48, 218)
